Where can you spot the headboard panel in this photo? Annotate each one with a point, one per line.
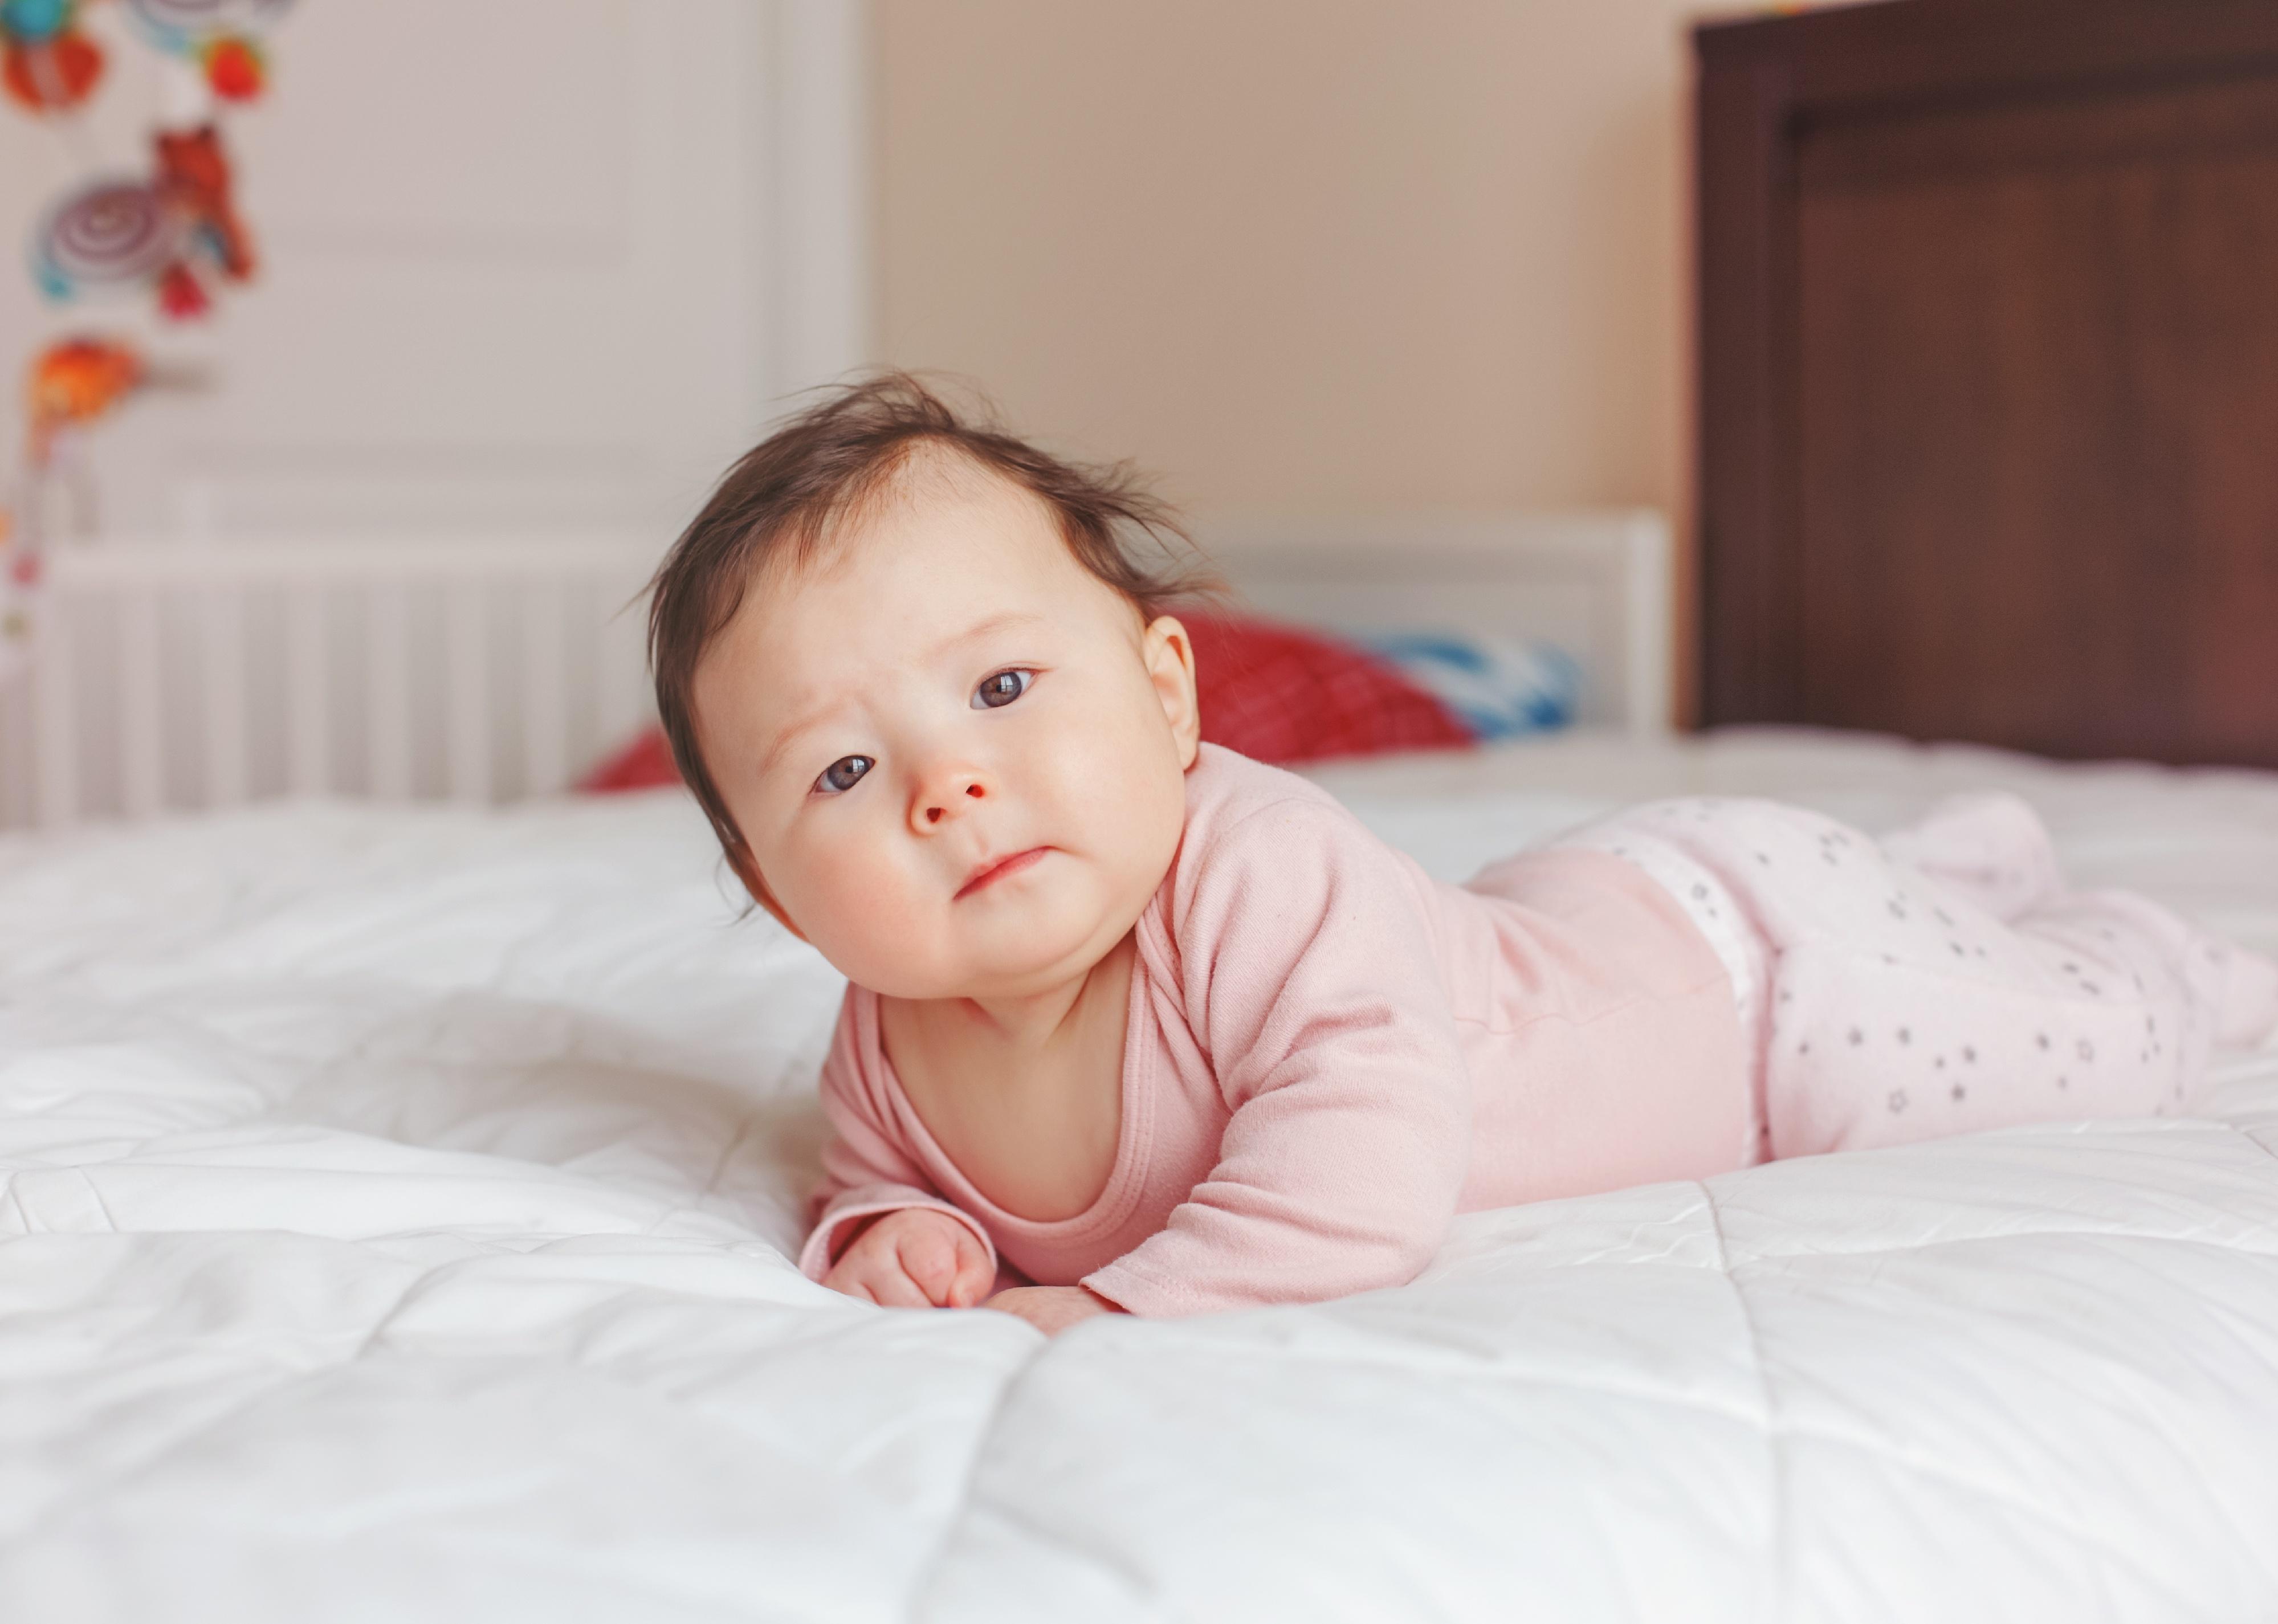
(1988, 373)
(1595, 583)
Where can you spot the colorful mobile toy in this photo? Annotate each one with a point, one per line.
(173, 232)
(234, 67)
(222, 36)
(114, 233)
(179, 230)
(45, 61)
(76, 381)
(194, 180)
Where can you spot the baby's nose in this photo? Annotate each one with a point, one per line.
(951, 796)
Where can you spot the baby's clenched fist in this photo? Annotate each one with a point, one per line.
(914, 1258)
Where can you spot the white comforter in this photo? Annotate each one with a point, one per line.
(396, 1221)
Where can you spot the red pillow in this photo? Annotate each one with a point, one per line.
(1279, 694)
(1274, 693)
(644, 764)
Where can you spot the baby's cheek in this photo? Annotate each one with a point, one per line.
(864, 917)
(1134, 810)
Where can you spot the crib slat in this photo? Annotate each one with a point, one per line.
(545, 715)
(221, 689)
(141, 763)
(576, 641)
(387, 693)
(308, 698)
(466, 696)
(55, 711)
(620, 669)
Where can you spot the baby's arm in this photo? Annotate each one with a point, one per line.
(884, 1234)
(1309, 973)
(882, 1230)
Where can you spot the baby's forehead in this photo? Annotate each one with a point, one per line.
(951, 554)
(935, 500)
(931, 479)
(939, 470)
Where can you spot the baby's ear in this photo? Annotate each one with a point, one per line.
(740, 859)
(1170, 657)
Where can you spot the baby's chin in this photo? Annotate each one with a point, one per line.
(1007, 959)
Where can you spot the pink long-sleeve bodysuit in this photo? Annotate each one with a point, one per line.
(1328, 1054)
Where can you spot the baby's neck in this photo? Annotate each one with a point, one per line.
(1035, 1021)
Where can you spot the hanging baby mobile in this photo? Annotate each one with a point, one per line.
(168, 231)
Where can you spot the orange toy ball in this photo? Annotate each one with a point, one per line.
(76, 380)
(57, 72)
(234, 69)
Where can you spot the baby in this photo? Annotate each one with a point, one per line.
(1166, 1031)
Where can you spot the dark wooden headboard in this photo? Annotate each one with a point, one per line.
(1988, 373)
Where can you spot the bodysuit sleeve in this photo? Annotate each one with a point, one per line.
(1308, 974)
(867, 1169)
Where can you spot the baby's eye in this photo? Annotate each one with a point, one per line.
(843, 774)
(1002, 689)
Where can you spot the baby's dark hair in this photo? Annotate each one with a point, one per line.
(825, 465)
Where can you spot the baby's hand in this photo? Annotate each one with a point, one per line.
(1050, 1308)
(914, 1258)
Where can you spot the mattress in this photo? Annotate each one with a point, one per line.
(397, 1212)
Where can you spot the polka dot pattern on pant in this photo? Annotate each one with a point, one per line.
(1962, 987)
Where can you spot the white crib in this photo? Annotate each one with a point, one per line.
(179, 675)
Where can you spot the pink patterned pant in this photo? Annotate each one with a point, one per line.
(1943, 980)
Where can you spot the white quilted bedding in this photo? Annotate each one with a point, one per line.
(394, 1221)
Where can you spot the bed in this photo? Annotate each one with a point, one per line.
(397, 1202)
(398, 1197)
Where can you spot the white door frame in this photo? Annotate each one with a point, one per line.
(820, 148)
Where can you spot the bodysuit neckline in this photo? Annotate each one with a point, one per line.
(1126, 1176)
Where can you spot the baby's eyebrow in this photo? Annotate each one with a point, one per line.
(784, 735)
(981, 628)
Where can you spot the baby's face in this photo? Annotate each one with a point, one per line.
(957, 757)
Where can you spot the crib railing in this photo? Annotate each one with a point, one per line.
(168, 676)
(178, 675)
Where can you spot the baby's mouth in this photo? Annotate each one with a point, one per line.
(999, 868)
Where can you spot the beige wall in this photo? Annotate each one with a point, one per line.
(1302, 253)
